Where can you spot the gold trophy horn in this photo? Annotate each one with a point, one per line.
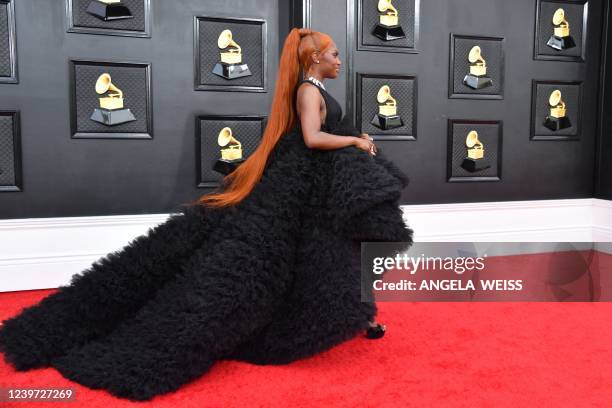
(389, 104)
(562, 28)
(232, 55)
(557, 119)
(475, 160)
(387, 117)
(225, 40)
(389, 18)
(479, 65)
(477, 77)
(104, 84)
(475, 147)
(386, 6)
(388, 27)
(230, 66)
(233, 151)
(111, 111)
(557, 109)
(114, 98)
(384, 95)
(561, 38)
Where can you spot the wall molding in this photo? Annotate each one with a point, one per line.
(42, 253)
(568, 220)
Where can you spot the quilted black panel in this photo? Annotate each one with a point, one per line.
(570, 94)
(132, 80)
(5, 54)
(7, 150)
(82, 18)
(405, 12)
(403, 90)
(491, 51)
(247, 34)
(574, 14)
(247, 131)
(488, 134)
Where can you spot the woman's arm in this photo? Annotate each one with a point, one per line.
(308, 105)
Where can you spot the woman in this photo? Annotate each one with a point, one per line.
(266, 270)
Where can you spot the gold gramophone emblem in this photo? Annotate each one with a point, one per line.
(477, 78)
(233, 55)
(558, 109)
(475, 153)
(562, 28)
(475, 146)
(478, 65)
(389, 13)
(557, 119)
(387, 117)
(114, 95)
(388, 104)
(231, 65)
(111, 110)
(233, 151)
(561, 38)
(388, 27)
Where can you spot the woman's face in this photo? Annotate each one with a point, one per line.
(329, 64)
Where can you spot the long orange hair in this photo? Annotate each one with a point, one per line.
(297, 49)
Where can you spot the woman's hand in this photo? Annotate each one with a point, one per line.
(365, 143)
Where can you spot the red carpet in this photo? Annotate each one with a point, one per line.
(441, 354)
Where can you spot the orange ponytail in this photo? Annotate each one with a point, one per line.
(298, 46)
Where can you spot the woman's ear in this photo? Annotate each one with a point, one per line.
(315, 57)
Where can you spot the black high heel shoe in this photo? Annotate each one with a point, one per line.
(376, 332)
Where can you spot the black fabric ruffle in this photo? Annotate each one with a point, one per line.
(272, 280)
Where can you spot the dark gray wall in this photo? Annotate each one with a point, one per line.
(77, 177)
(530, 169)
(63, 176)
(604, 157)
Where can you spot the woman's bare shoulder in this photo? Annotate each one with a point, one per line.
(306, 89)
(307, 96)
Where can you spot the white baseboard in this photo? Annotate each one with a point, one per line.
(573, 220)
(41, 253)
(602, 220)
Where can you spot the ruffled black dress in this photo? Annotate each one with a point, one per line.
(274, 279)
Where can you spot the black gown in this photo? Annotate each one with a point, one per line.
(272, 280)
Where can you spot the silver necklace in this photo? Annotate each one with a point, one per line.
(316, 81)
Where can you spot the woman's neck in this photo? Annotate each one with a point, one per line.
(316, 80)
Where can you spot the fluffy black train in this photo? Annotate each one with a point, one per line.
(272, 280)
